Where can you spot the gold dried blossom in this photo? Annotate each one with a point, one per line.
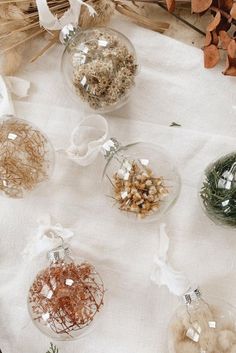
(25, 157)
(141, 192)
(104, 68)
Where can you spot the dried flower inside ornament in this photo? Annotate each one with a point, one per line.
(26, 159)
(140, 178)
(100, 66)
(66, 296)
(138, 190)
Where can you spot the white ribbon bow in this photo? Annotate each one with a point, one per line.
(47, 236)
(52, 22)
(8, 86)
(163, 273)
(87, 139)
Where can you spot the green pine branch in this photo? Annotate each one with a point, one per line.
(53, 349)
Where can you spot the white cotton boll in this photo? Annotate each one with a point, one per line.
(187, 347)
(208, 341)
(177, 331)
(226, 339)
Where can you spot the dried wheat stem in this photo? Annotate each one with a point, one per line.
(128, 11)
(22, 41)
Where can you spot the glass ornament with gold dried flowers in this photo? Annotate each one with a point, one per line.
(140, 179)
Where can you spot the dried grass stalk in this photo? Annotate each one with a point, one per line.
(19, 23)
(25, 158)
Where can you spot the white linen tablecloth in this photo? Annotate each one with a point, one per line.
(172, 86)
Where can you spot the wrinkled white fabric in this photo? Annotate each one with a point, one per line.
(173, 86)
(8, 86)
(46, 237)
(87, 139)
(163, 273)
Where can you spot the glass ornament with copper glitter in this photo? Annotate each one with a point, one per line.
(65, 297)
(140, 179)
(99, 66)
(26, 158)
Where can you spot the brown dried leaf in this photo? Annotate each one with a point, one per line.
(225, 39)
(199, 6)
(232, 49)
(224, 25)
(215, 38)
(208, 39)
(170, 5)
(233, 11)
(230, 69)
(226, 5)
(211, 56)
(212, 26)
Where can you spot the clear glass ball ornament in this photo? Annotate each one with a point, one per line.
(201, 326)
(27, 157)
(218, 190)
(140, 179)
(99, 66)
(65, 297)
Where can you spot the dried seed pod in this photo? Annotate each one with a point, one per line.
(65, 297)
(26, 158)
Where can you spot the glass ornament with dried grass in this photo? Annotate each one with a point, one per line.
(26, 158)
(140, 179)
(99, 66)
(66, 296)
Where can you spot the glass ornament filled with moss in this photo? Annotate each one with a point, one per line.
(99, 66)
(218, 190)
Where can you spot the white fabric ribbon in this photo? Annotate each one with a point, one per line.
(163, 273)
(47, 236)
(87, 139)
(8, 86)
(52, 22)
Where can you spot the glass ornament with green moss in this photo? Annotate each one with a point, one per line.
(218, 190)
(99, 66)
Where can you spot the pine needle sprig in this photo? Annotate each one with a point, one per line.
(220, 203)
(53, 348)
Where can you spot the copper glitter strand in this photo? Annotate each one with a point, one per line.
(70, 307)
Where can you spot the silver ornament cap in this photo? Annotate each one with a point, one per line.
(58, 254)
(191, 296)
(110, 147)
(67, 32)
